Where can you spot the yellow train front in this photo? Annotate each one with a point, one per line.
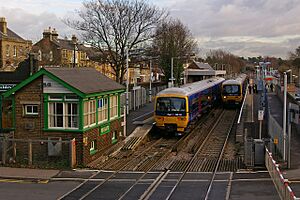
(171, 112)
(176, 108)
(233, 90)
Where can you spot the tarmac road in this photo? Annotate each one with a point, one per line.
(228, 185)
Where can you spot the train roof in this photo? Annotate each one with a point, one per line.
(235, 81)
(191, 88)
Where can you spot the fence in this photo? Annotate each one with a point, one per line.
(139, 96)
(50, 153)
(276, 133)
(280, 183)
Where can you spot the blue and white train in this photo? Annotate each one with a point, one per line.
(176, 108)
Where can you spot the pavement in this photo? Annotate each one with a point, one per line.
(11, 174)
(137, 117)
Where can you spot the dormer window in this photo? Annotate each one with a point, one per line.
(7, 50)
(51, 56)
(40, 55)
(15, 51)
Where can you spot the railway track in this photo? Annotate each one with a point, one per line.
(209, 154)
(156, 154)
(210, 144)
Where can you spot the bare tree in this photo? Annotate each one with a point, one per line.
(173, 40)
(232, 63)
(294, 58)
(111, 26)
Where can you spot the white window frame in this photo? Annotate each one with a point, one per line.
(73, 116)
(55, 115)
(89, 112)
(65, 115)
(40, 55)
(32, 112)
(113, 106)
(102, 109)
(51, 56)
(64, 53)
(50, 98)
(7, 50)
(114, 135)
(92, 148)
(73, 98)
(15, 51)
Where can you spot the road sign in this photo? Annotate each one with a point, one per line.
(275, 141)
(260, 115)
(136, 87)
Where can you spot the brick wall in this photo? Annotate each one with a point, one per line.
(31, 127)
(22, 47)
(103, 141)
(45, 45)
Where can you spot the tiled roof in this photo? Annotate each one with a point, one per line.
(86, 80)
(11, 34)
(200, 65)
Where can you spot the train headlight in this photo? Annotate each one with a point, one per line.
(181, 118)
(224, 97)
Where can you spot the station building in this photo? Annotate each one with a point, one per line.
(68, 103)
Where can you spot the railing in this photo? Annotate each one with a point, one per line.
(139, 96)
(38, 152)
(281, 184)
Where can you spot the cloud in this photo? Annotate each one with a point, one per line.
(30, 26)
(243, 27)
(265, 23)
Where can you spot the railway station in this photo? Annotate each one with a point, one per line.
(249, 164)
(150, 100)
(222, 135)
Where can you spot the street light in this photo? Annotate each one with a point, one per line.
(172, 76)
(127, 82)
(74, 41)
(150, 91)
(284, 113)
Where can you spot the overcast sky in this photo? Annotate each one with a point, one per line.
(243, 27)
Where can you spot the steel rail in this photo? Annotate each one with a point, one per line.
(219, 159)
(195, 156)
(106, 179)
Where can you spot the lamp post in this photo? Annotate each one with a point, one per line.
(74, 40)
(284, 113)
(172, 76)
(127, 83)
(150, 89)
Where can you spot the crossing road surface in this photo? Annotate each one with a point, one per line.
(152, 185)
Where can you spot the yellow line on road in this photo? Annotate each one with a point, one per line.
(23, 181)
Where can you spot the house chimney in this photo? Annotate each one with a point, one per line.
(74, 39)
(54, 34)
(47, 33)
(3, 25)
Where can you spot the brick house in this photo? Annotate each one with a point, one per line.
(69, 103)
(54, 51)
(13, 48)
(9, 79)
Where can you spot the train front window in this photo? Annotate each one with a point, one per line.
(170, 104)
(231, 90)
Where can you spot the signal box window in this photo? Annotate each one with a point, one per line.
(31, 110)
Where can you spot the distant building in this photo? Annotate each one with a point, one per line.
(13, 48)
(197, 71)
(8, 80)
(54, 51)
